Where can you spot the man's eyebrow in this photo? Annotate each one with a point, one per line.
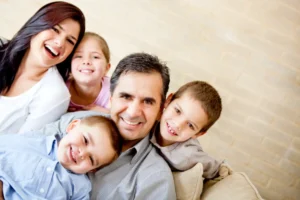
(124, 94)
(71, 36)
(95, 163)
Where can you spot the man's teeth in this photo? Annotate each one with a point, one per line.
(131, 123)
(53, 51)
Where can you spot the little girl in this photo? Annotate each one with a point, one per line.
(88, 85)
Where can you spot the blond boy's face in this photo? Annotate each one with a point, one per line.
(182, 119)
(85, 148)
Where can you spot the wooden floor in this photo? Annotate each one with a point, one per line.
(249, 50)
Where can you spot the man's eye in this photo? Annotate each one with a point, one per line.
(148, 102)
(127, 97)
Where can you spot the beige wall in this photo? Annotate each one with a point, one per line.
(248, 49)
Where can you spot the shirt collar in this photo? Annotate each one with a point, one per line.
(52, 143)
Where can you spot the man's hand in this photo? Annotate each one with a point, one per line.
(1, 191)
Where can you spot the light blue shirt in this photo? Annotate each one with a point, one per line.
(29, 170)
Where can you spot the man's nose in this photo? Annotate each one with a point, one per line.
(134, 109)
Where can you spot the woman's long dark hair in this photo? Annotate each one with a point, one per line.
(45, 18)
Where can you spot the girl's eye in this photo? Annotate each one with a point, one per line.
(96, 57)
(177, 110)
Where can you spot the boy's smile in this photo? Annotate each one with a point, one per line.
(85, 148)
(182, 119)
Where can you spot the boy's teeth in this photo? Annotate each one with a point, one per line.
(52, 50)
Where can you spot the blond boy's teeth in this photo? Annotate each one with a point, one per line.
(52, 50)
(130, 123)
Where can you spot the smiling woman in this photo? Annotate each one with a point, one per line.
(34, 65)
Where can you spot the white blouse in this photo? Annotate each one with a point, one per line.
(44, 103)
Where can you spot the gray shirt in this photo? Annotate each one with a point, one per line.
(139, 173)
(182, 156)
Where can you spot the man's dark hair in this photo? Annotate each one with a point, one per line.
(142, 63)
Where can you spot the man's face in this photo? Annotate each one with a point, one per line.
(135, 104)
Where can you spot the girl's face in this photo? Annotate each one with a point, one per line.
(53, 46)
(89, 64)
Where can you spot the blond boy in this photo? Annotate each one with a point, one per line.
(47, 167)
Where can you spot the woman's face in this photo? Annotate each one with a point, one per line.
(53, 46)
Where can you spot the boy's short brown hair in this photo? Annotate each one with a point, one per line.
(115, 136)
(208, 97)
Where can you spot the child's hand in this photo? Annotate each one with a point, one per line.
(96, 108)
(224, 170)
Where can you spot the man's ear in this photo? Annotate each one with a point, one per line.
(71, 125)
(198, 134)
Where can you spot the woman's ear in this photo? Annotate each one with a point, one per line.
(73, 123)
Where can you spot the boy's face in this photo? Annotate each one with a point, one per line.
(182, 119)
(85, 148)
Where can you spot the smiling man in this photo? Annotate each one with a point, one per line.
(138, 89)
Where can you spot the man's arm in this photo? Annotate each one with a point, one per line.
(1, 191)
(157, 185)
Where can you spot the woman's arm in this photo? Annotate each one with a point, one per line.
(1, 191)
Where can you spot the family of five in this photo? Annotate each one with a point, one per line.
(67, 131)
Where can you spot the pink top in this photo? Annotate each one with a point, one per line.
(102, 99)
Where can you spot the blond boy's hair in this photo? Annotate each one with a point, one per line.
(102, 42)
(113, 131)
(207, 96)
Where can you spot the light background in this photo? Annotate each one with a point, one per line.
(249, 50)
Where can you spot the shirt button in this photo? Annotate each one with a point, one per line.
(48, 169)
(42, 190)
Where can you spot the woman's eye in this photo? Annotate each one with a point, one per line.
(71, 41)
(177, 110)
(55, 29)
(96, 57)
